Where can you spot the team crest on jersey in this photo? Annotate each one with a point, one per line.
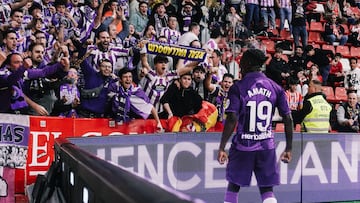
(160, 88)
(226, 103)
(174, 38)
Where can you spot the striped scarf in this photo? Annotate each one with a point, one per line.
(122, 105)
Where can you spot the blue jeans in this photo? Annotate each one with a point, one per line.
(332, 38)
(285, 13)
(300, 31)
(252, 13)
(325, 70)
(265, 14)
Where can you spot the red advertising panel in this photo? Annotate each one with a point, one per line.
(43, 131)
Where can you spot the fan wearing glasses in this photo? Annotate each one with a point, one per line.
(93, 95)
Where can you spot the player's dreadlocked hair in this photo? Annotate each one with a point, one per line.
(252, 60)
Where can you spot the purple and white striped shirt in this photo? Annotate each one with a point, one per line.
(172, 36)
(155, 86)
(266, 3)
(285, 3)
(252, 2)
(211, 44)
(113, 54)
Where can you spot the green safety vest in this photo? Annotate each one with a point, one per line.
(317, 121)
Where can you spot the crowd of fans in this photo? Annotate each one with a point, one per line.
(87, 58)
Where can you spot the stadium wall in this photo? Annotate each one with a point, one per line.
(325, 167)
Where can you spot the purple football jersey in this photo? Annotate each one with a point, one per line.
(254, 100)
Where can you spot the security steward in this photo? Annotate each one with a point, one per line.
(315, 114)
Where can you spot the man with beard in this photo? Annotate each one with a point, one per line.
(14, 70)
(103, 49)
(40, 90)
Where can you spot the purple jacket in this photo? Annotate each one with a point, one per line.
(9, 95)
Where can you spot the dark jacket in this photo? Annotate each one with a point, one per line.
(182, 101)
(320, 57)
(275, 68)
(94, 94)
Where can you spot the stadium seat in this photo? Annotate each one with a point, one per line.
(315, 37)
(322, 18)
(346, 65)
(316, 26)
(355, 51)
(346, 29)
(270, 46)
(285, 57)
(328, 47)
(279, 127)
(269, 57)
(340, 94)
(285, 35)
(343, 50)
(277, 22)
(355, 10)
(329, 93)
(315, 45)
(275, 33)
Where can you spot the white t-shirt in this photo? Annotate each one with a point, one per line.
(186, 38)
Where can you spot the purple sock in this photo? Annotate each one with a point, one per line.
(267, 195)
(231, 197)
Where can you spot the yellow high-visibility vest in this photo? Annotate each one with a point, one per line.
(317, 121)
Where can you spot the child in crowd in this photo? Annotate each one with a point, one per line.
(336, 75)
(294, 98)
(69, 96)
(303, 84)
(315, 73)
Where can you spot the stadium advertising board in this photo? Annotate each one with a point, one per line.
(44, 130)
(187, 162)
(324, 167)
(14, 132)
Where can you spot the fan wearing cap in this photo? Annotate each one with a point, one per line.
(128, 102)
(252, 104)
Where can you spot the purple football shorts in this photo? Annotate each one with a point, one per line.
(243, 163)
